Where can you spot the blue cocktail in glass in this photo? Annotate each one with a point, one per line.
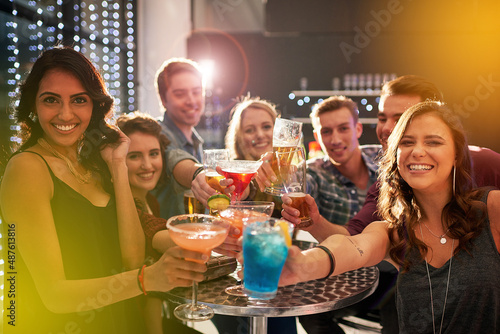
(265, 248)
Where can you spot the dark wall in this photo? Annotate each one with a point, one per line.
(455, 44)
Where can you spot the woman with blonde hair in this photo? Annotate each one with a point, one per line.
(250, 131)
(249, 136)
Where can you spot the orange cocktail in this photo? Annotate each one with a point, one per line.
(240, 213)
(198, 237)
(236, 217)
(199, 233)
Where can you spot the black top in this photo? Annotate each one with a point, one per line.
(473, 302)
(88, 239)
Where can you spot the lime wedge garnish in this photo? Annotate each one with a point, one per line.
(218, 202)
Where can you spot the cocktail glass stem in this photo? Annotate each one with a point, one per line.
(194, 311)
(194, 298)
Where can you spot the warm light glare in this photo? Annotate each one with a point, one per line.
(208, 69)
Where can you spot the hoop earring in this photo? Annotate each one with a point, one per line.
(454, 174)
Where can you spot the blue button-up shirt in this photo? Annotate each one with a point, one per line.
(179, 140)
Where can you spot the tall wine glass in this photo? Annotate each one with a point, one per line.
(200, 233)
(237, 214)
(210, 158)
(241, 172)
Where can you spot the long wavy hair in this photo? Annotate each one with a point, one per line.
(398, 206)
(97, 134)
(234, 135)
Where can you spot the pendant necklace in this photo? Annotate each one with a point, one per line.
(430, 285)
(441, 238)
(82, 178)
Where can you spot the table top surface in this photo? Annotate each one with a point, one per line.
(309, 297)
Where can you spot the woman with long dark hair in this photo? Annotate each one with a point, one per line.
(65, 196)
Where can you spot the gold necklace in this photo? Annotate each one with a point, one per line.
(82, 178)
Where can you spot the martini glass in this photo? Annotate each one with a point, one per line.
(199, 233)
(239, 213)
(241, 172)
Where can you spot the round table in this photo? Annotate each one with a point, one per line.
(304, 298)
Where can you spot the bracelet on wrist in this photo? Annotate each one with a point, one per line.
(330, 256)
(140, 280)
(196, 172)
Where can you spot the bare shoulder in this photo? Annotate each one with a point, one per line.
(25, 165)
(494, 201)
(494, 211)
(26, 174)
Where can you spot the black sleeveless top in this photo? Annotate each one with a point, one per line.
(473, 303)
(88, 239)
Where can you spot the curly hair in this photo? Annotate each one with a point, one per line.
(139, 122)
(234, 137)
(97, 134)
(398, 206)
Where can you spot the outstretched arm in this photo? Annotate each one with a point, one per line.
(350, 252)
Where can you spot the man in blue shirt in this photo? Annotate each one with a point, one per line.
(181, 91)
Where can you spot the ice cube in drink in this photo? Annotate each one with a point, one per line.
(264, 252)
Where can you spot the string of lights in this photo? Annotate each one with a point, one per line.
(104, 31)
